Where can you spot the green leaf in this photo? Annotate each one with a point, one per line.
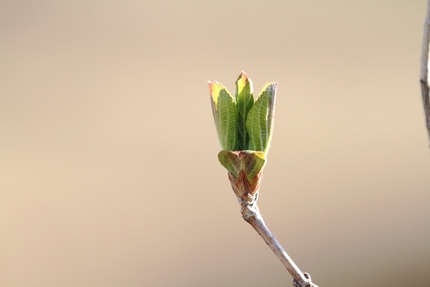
(225, 115)
(251, 162)
(244, 102)
(259, 122)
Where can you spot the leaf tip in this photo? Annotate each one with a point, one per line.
(242, 75)
(243, 79)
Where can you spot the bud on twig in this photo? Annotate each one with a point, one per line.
(244, 130)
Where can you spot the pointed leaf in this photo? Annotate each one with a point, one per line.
(225, 115)
(244, 101)
(259, 122)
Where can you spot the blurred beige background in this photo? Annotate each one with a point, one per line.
(109, 173)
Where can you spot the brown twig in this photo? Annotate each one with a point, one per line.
(252, 215)
(247, 195)
(424, 79)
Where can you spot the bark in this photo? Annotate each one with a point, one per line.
(424, 79)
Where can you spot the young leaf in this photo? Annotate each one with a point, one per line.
(250, 162)
(225, 114)
(244, 102)
(260, 119)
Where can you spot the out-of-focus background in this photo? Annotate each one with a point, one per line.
(109, 173)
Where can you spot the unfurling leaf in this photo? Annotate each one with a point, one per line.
(225, 114)
(244, 102)
(259, 122)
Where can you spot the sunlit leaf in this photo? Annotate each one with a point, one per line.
(259, 122)
(225, 115)
(244, 102)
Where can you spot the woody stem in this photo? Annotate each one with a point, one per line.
(252, 215)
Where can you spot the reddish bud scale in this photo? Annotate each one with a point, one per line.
(243, 188)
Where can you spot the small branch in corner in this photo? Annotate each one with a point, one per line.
(424, 78)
